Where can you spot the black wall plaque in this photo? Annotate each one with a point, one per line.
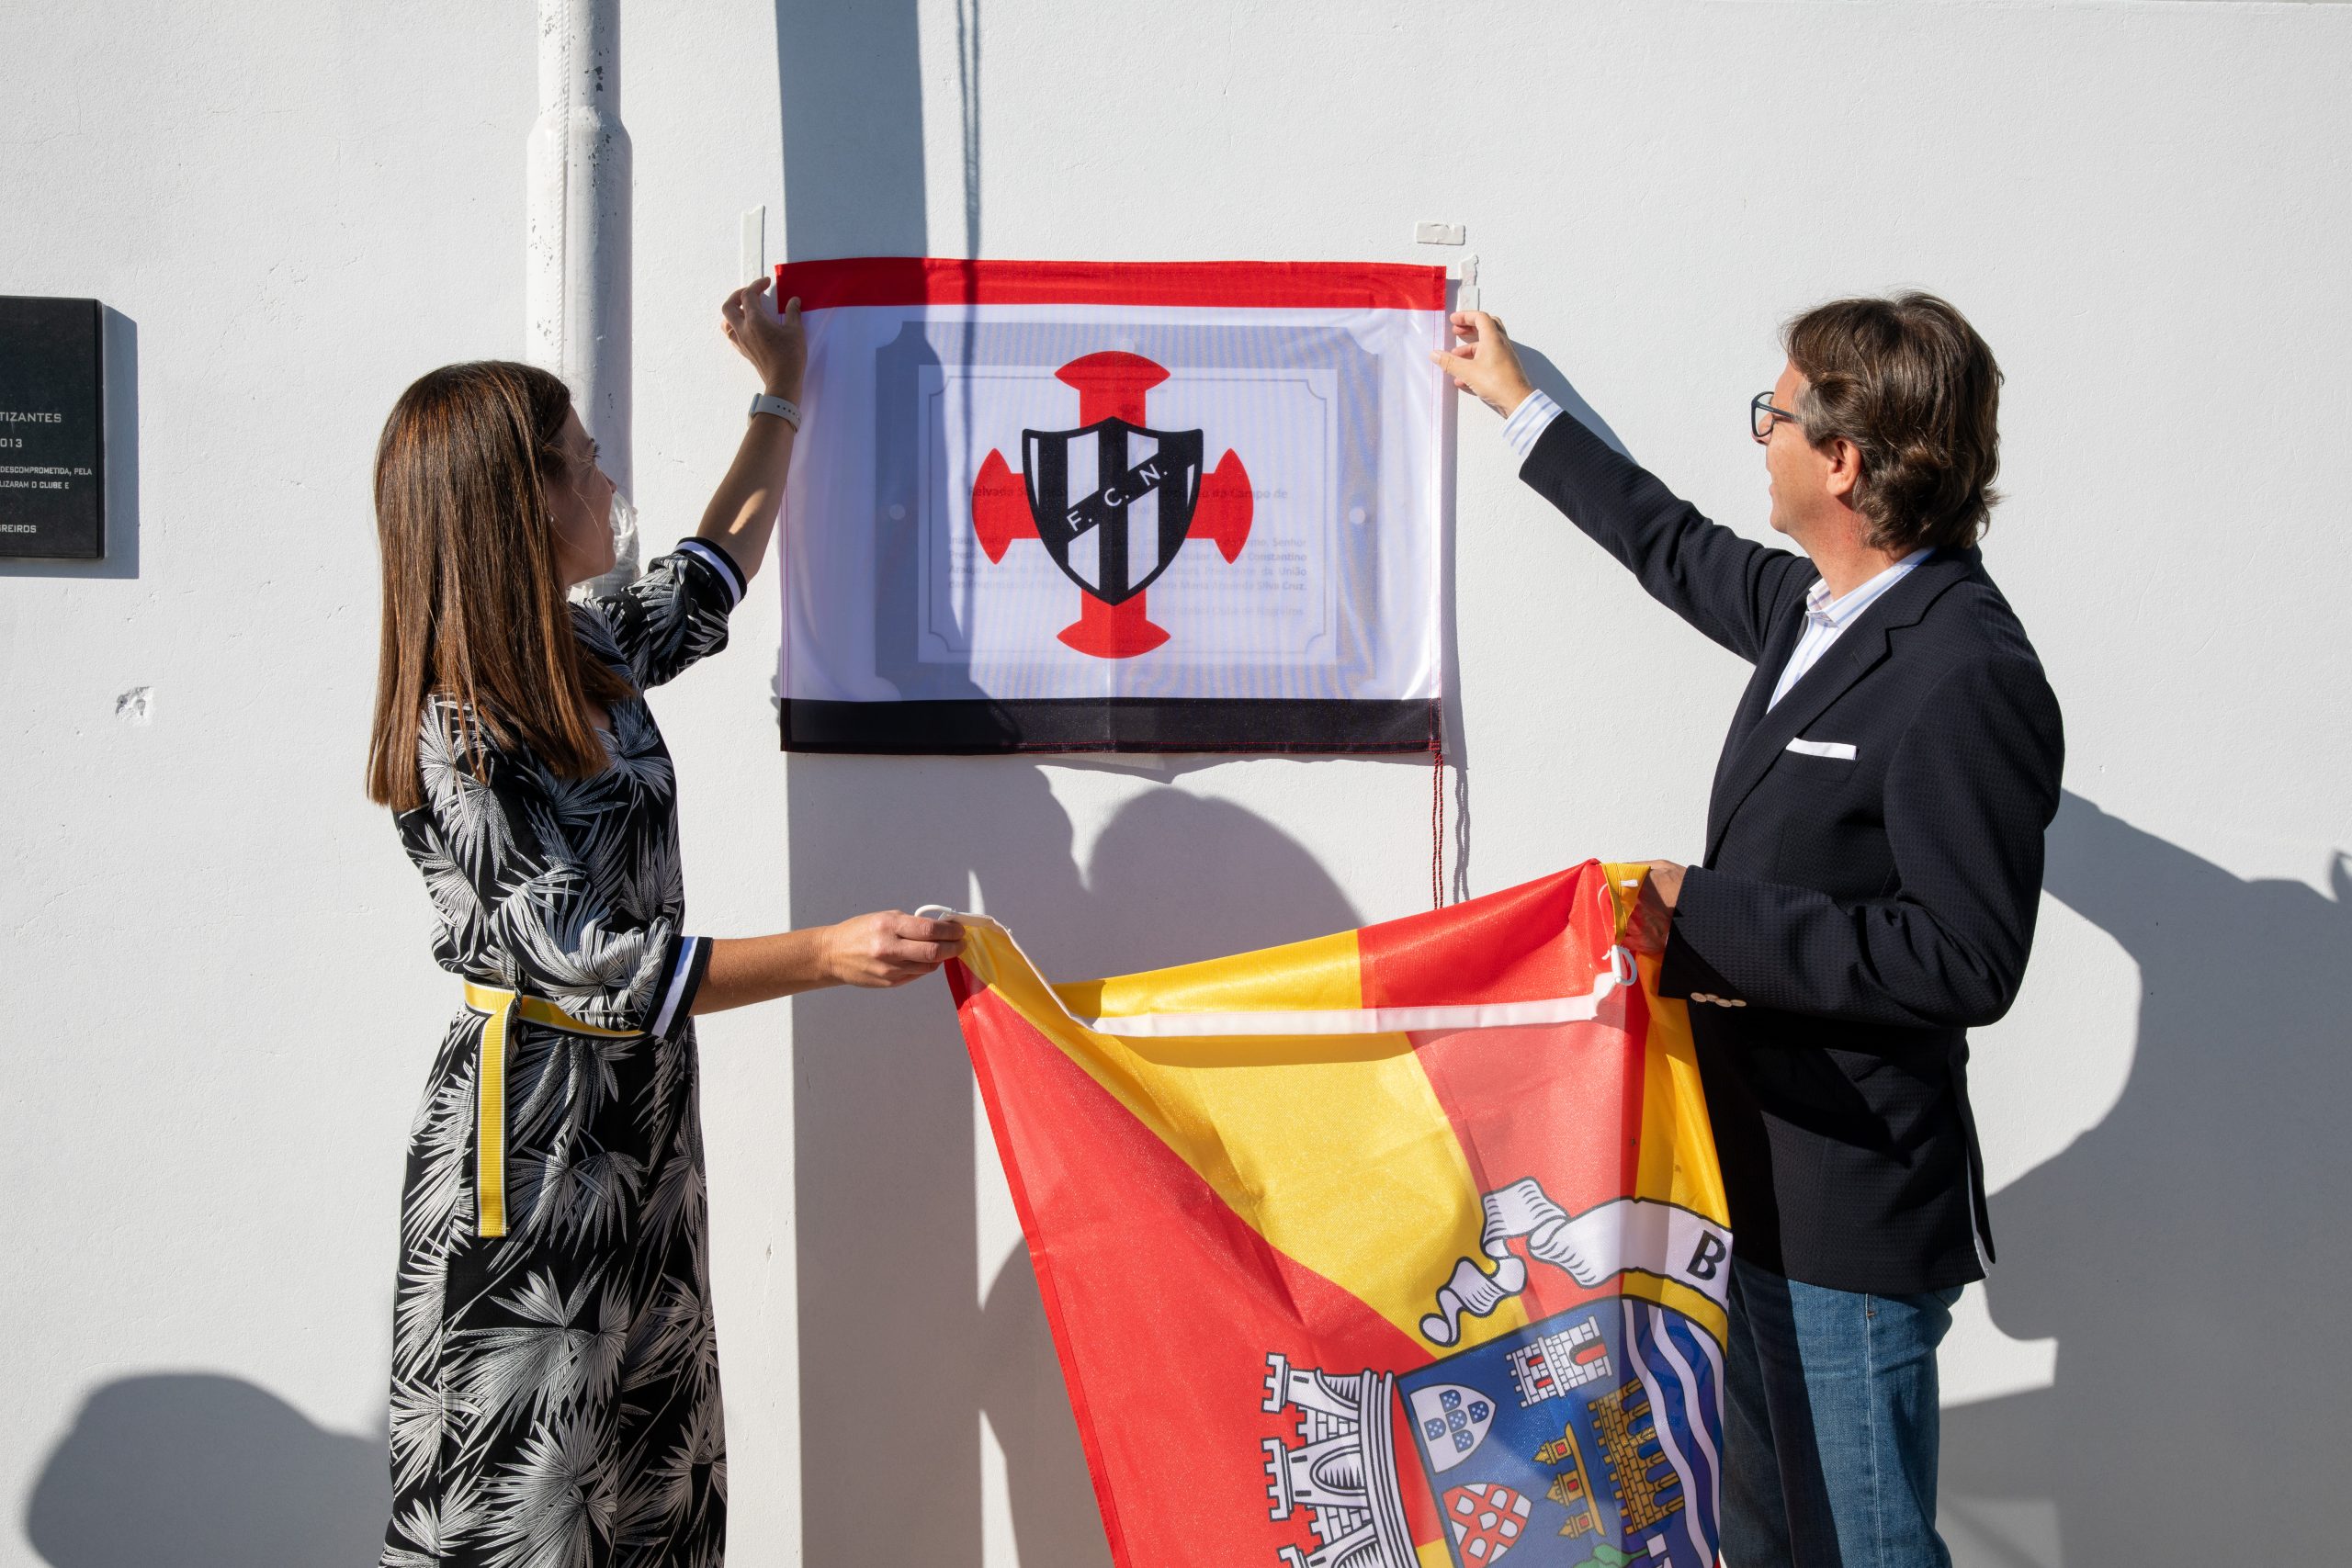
(52, 429)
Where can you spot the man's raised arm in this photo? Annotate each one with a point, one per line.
(1728, 587)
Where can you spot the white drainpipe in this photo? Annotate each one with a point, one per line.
(577, 289)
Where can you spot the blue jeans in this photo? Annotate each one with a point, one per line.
(1830, 1425)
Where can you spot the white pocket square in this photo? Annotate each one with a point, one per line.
(1841, 749)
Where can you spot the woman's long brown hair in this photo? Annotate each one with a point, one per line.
(473, 607)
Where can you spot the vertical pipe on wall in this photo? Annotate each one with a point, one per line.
(578, 237)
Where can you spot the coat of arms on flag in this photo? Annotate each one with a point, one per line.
(1397, 1248)
(1133, 506)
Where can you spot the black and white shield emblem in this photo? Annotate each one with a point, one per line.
(1113, 502)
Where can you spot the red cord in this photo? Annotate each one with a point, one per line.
(1437, 822)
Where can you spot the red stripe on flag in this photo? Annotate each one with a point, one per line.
(1270, 286)
(1163, 1304)
(1546, 938)
(1561, 1103)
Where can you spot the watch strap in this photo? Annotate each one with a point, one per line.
(784, 408)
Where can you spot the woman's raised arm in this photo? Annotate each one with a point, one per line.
(741, 513)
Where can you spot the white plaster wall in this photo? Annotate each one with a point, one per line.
(218, 999)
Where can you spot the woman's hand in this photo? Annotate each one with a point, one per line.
(874, 951)
(1485, 363)
(888, 949)
(774, 344)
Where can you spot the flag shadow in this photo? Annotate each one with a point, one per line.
(2178, 1251)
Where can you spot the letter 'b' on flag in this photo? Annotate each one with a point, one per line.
(1397, 1248)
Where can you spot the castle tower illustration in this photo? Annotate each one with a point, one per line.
(1640, 1477)
(1557, 1363)
(1342, 1471)
(1572, 1487)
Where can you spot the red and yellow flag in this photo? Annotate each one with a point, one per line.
(1395, 1248)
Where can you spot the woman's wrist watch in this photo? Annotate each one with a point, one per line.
(784, 408)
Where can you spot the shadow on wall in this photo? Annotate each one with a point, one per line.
(2177, 1251)
(192, 1471)
(908, 1335)
(851, 85)
(2182, 1252)
(1547, 378)
(910, 1339)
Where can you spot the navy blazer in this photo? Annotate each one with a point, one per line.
(1857, 912)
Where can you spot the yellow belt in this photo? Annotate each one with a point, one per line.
(499, 1010)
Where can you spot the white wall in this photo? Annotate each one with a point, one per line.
(218, 997)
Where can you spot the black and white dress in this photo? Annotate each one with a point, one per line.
(555, 1389)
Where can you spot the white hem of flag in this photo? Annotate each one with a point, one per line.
(1362, 1020)
(1332, 1021)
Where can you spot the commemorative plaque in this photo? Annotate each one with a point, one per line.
(52, 429)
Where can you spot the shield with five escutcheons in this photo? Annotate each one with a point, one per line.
(1113, 502)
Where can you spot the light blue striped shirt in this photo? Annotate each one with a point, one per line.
(1826, 619)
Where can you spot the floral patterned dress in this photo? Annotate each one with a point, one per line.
(555, 1389)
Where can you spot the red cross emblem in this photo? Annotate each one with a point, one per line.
(1112, 500)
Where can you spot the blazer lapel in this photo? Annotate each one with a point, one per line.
(1752, 702)
(1749, 754)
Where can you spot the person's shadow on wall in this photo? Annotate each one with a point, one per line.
(199, 1471)
(2185, 1253)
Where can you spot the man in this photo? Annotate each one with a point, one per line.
(1873, 859)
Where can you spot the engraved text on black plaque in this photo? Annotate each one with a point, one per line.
(52, 434)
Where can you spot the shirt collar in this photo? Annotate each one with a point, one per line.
(1820, 607)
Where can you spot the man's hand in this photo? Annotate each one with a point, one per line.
(1653, 908)
(888, 949)
(1485, 363)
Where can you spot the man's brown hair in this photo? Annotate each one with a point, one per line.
(1912, 386)
(473, 607)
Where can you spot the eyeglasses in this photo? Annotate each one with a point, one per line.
(1762, 416)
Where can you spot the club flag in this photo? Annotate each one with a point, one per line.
(1397, 1248)
(1114, 506)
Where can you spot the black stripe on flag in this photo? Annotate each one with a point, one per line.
(1120, 724)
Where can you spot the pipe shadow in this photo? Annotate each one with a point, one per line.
(2178, 1251)
(851, 97)
(910, 1340)
(199, 1471)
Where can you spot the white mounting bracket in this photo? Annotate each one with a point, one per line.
(753, 246)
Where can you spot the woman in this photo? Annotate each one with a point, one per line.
(555, 1378)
